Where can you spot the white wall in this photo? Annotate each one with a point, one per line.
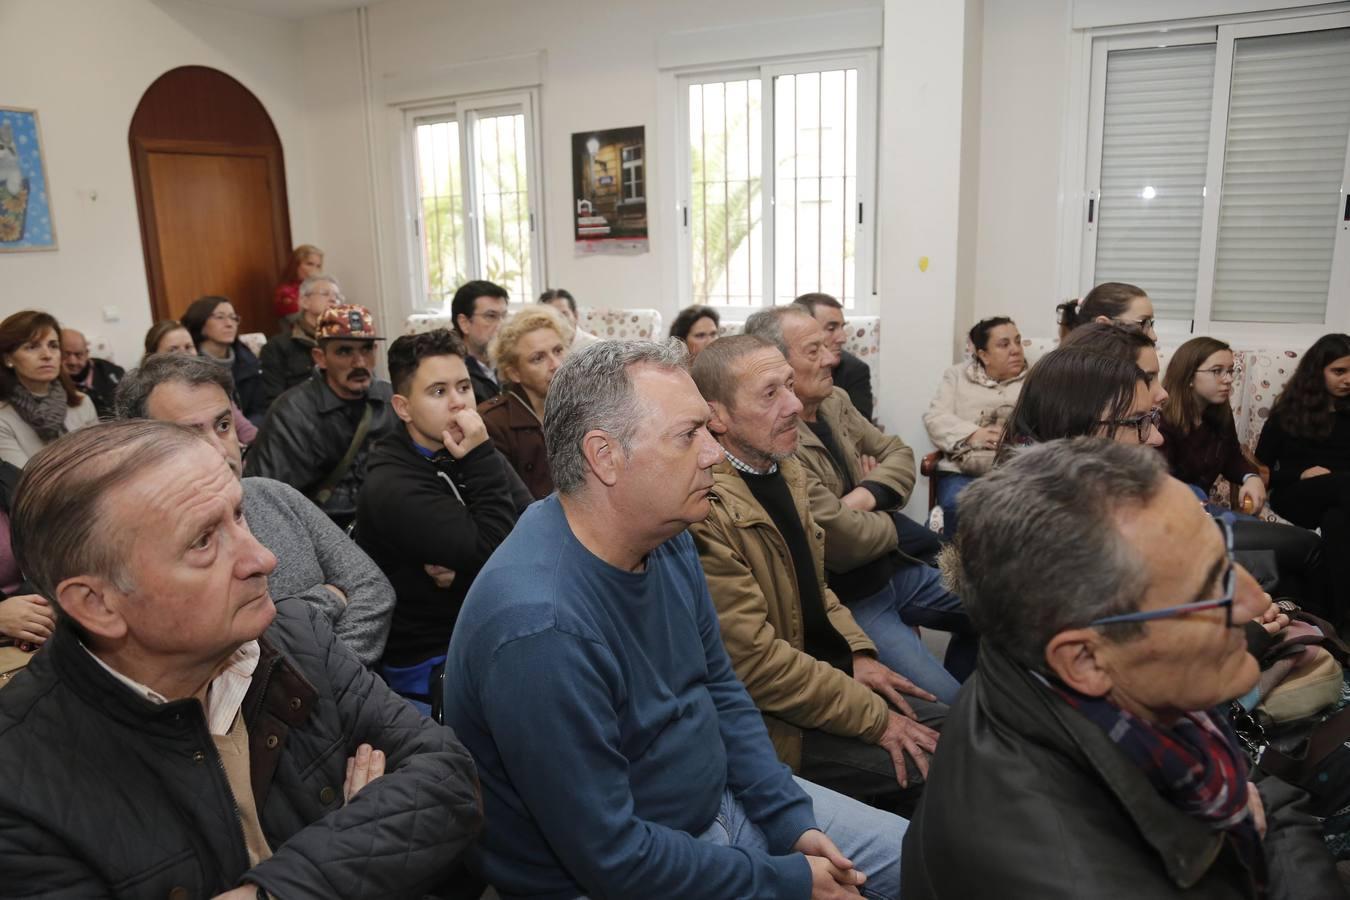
(84, 64)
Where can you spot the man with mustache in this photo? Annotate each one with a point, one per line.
(318, 434)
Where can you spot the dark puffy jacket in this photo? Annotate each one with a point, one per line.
(307, 432)
(103, 793)
(1027, 798)
(287, 360)
(416, 511)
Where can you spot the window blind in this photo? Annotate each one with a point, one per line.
(1155, 141)
(1288, 123)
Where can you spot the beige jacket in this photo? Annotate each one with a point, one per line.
(853, 538)
(18, 440)
(968, 399)
(754, 587)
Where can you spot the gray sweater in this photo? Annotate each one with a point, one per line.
(312, 552)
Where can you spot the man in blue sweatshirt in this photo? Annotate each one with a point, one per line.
(619, 754)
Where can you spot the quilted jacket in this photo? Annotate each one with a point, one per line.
(103, 793)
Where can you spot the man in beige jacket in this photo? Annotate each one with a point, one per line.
(858, 479)
(835, 713)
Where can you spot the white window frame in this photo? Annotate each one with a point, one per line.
(1082, 167)
(468, 110)
(864, 216)
(639, 167)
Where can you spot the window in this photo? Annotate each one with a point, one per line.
(818, 117)
(1216, 173)
(474, 218)
(634, 190)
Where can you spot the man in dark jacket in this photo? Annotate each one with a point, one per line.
(96, 377)
(438, 500)
(211, 743)
(850, 373)
(288, 357)
(478, 309)
(318, 435)
(1088, 756)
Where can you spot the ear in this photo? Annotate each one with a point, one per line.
(721, 417)
(1075, 657)
(400, 405)
(510, 373)
(96, 604)
(1105, 320)
(462, 323)
(603, 456)
(316, 354)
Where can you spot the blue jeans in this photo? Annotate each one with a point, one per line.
(869, 837)
(949, 487)
(915, 596)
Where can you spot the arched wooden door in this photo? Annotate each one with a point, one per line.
(211, 191)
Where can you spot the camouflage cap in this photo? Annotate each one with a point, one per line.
(346, 322)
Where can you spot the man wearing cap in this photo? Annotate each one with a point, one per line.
(318, 434)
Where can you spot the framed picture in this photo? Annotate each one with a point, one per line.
(25, 200)
(609, 186)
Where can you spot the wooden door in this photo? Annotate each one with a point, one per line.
(211, 191)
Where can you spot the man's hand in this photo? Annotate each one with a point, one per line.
(860, 499)
(886, 682)
(906, 737)
(362, 769)
(469, 425)
(1258, 809)
(441, 575)
(1311, 473)
(337, 592)
(832, 873)
(1273, 619)
(985, 438)
(1252, 496)
(867, 464)
(27, 617)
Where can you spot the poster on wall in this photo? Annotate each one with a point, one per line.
(609, 188)
(25, 205)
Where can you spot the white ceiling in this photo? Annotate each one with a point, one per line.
(288, 9)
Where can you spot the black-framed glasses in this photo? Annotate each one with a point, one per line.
(1143, 423)
(1143, 325)
(1225, 602)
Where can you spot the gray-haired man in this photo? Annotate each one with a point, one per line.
(620, 754)
(287, 358)
(316, 561)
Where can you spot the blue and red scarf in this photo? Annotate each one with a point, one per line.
(1195, 763)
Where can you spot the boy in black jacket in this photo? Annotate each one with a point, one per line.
(437, 500)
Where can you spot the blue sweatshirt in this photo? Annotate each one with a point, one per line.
(607, 723)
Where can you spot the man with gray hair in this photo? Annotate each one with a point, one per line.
(211, 743)
(1111, 613)
(620, 755)
(316, 561)
(288, 357)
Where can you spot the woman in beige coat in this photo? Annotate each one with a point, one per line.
(966, 418)
(38, 401)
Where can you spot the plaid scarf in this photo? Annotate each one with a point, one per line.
(1195, 763)
(46, 415)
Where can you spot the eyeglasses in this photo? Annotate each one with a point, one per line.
(1225, 602)
(1143, 423)
(491, 315)
(1142, 324)
(226, 317)
(1218, 372)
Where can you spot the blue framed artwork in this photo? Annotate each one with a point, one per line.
(25, 200)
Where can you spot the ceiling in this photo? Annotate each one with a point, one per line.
(288, 9)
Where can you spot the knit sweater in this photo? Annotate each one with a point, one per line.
(312, 552)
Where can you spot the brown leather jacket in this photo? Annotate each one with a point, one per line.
(517, 432)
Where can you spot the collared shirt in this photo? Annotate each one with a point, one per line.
(746, 467)
(224, 696)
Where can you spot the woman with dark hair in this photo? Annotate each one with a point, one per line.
(1306, 444)
(306, 260)
(214, 326)
(1127, 343)
(965, 420)
(697, 326)
(1111, 301)
(38, 401)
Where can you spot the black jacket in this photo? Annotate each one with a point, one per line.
(9, 480)
(248, 383)
(484, 387)
(286, 361)
(306, 434)
(103, 793)
(1027, 798)
(855, 377)
(416, 511)
(103, 386)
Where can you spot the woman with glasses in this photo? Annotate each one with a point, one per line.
(1114, 302)
(214, 326)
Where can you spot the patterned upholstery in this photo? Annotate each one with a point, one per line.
(610, 324)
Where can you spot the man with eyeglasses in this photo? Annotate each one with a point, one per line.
(478, 309)
(318, 434)
(288, 357)
(1111, 613)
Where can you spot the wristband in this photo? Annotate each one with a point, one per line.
(1250, 475)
